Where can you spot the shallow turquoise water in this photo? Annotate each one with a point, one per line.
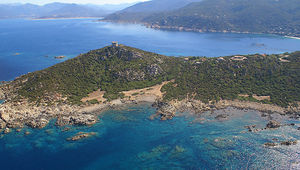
(30, 45)
(127, 139)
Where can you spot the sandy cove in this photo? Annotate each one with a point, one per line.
(19, 114)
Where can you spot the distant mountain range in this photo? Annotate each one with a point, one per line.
(253, 16)
(57, 10)
(142, 10)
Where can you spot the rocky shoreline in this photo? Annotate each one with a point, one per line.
(167, 110)
(18, 114)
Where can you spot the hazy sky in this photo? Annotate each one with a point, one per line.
(41, 2)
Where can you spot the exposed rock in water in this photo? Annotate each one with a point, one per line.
(60, 57)
(271, 144)
(288, 143)
(222, 117)
(7, 130)
(81, 135)
(273, 124)
(251, 128)
(27, 133)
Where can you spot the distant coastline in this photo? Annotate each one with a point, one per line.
(58, 18)
(186, 29)
(298, 38)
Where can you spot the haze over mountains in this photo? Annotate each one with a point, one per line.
(255, 16)
(141, 10)
(57, 10)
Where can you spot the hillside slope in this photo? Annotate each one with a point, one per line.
(280, 17)
(256, 16)
(144, 9)
(117, 69)
(111, 69)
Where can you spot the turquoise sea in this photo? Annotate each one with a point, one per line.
(126, 138)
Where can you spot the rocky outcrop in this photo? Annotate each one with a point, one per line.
(17, 115)
(269, 144)
(288, 143)
(284, 143)
(37, 123)
(81, 135)
(222, 117)
(165, 110)
(80, 119)
(131, 75)
(168, 109)
(154, 70)
(273, 124)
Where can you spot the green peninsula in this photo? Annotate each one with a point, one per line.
(114, 75)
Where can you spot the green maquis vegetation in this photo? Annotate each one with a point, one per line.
(111, 69)
(212, 79)
(254, 16)
(117, 69)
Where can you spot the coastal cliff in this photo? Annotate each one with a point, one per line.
(76, 91)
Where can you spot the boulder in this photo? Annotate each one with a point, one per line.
(7, 130)
(273, 124)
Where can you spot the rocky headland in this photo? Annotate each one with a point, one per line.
(76, 91)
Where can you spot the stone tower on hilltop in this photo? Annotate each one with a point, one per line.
(115, 44)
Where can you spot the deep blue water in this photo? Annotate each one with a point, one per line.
(30, 45)
(127, 139)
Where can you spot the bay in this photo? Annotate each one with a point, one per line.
(30, 45)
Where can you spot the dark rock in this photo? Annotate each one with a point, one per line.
(273, 124)
(250, 128)
(2, 124)
(270, 144)
(288, 143)
(221, 117)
